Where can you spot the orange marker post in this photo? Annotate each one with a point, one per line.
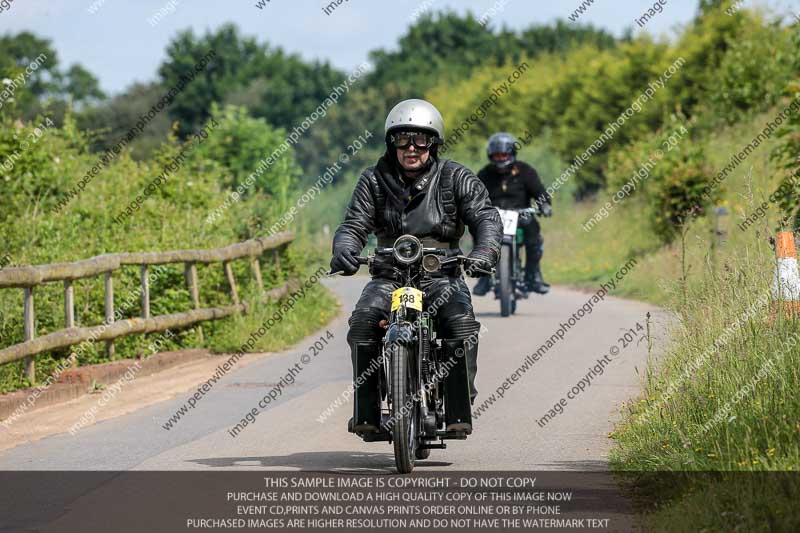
(786, 287)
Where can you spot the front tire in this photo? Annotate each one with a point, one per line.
(403, 411)
(504, 280)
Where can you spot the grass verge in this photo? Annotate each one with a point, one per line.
(713, 441)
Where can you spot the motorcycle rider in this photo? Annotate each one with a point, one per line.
(513, 184)
(412, 191)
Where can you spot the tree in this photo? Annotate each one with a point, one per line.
(82, 86)
(446, 47)
(437, 48)
(273, 85)
(288, 89)
(236, 60)
(111, 120)
(18, 51)
(45, 87)
(707, 6)
(562, 36)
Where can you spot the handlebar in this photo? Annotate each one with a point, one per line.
(465, 259)
(447, 252)
(534, 210)
(452, 255)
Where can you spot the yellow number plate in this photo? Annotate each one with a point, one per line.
(407, 295)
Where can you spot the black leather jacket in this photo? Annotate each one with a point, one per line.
(436, 205)
(515, 188)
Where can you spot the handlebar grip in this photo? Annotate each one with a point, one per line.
(362, 260)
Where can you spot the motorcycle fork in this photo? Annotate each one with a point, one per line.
(403, 315)
(425, 358)
(519, 275)
(515, 263)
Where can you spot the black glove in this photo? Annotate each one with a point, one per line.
(477, 263)
(345, 261)
(546, 210)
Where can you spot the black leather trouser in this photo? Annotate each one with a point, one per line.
(447, 300)
(533, 242)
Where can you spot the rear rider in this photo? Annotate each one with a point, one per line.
(513, 184)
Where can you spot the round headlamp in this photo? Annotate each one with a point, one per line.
(407, 249)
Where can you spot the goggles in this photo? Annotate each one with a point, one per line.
(403, 140)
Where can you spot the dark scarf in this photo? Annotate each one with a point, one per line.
(398, 189)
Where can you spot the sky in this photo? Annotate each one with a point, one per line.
(121, 42)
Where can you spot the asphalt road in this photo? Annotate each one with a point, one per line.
(288, 436)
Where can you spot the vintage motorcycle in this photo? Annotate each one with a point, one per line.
(509, 282)
(416, 383)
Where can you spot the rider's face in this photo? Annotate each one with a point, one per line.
(412, 158)
(501, 156)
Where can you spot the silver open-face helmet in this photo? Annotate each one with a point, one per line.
(415, 114)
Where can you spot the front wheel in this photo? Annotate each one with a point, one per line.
(404, 431)
(504, 280)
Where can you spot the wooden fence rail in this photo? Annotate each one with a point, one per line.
(28, 277)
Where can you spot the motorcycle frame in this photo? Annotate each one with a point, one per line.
(428, 396)
(517, 273)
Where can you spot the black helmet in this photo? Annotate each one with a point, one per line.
(502, 143)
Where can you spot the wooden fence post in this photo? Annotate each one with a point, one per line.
(28, 278)
(256, 266)
(69, 304)
(277, 256)
(190, 271)
(30, 331)
(231, 281)
(110, 350)
(145, 292)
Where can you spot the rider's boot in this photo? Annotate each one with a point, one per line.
(534, 282)
(539, 281)
(461, 356)
(472, 369)
(482, 287)
(367, 400)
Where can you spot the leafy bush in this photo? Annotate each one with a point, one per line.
(787, 154)
(172, 217)
(754, 72)
(668, 173)
(239, 144)
(726, 65)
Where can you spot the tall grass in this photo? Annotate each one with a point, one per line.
(722, 397)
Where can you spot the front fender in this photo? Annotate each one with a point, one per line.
(400, 332)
